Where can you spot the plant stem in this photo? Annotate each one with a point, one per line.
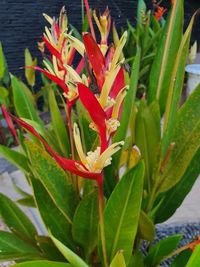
(89, 19)
(101, 221)
(151, 199)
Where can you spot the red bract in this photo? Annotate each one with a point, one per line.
(9, 122)
(52, 49)
(95, 57)
(67, 164)
(96, 112)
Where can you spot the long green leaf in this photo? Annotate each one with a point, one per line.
(194, 260)
(121, 214)
(163, 64)
(53, 178)
(42, 264)
(147, 137)
(13, 248)
(53, 219)
(176, 86)
(174, 197)
(23, 101)
(85, 223)
(187, 142)
(73, 258)
(59, 125)
(15, 219)
(15, 158)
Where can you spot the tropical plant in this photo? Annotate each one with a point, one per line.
(114, 164)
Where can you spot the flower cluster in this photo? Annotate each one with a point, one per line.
(101, 91)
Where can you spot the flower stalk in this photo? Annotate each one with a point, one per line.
(101, 220)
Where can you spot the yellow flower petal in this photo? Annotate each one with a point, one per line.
(118, 50)
(74, 75)
(106, 155)
(77, 44)
(78, 144)
(120, 97)
(48, 18)
(110, 77)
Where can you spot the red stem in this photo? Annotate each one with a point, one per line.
(90, 19)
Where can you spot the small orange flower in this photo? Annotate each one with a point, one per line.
(159, 13)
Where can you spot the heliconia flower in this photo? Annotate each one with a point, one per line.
(103, 123)
(90, 166)
(55, 35)
(103, 23)
(105, 72)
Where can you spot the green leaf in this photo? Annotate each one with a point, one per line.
(147, 137)
(146, 227)
(2, 64)
(4, 73)
(161, 250)
(186, 137)
(182, 258)
(175, 87)
(118, 260)
(54, 179)
(15, 219)
(85, 223)
(164, 62)
(23, 101)
(13, 248)
(121, 214)
(27, 201)
(53, 219)
(15, 158)
(194, 260)
(128, 102)
(42, 264)
(59, 125)
(30, 73)
(174, 197)
(4, 96)
(49, 249)
(73, 258)
(137, 260)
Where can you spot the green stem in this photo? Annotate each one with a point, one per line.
(74, 178)
(151, 199)
(101, 221)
